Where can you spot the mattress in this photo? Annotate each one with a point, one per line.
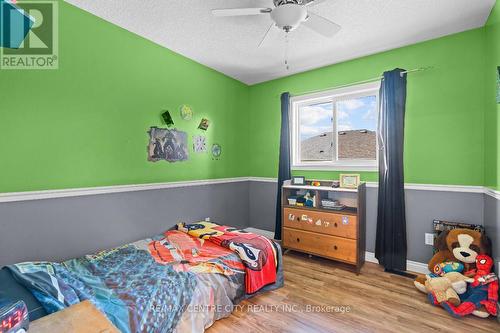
(172, 282)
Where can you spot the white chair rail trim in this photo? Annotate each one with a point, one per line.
(75, 192)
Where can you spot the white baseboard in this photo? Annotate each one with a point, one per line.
(411, 266)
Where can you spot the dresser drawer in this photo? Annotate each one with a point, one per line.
(324, 245)
(336, 224)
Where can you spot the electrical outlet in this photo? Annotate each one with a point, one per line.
(429, 239)
(207, 219)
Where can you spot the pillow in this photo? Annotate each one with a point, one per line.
(12, 291)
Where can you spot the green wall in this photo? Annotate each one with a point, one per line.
(492, 120)
(85, 124)
(444, 137)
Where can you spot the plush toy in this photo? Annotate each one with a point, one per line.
(447, 287)
(481, 296)
(310, 200)
(457, 245)
(447, 267)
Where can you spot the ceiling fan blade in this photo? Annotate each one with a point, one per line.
(321, 25)
(240, 11)
(313, 2)
(271, 34)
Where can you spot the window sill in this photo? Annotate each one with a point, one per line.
(319, 167)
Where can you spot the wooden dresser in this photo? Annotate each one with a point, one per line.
(337, 235)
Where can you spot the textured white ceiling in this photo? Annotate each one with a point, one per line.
(229, 44)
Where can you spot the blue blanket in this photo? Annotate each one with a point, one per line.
(170, 283)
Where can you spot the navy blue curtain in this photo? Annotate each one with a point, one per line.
(284, 172)
(390, 248)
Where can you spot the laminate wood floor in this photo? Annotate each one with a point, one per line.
(315, 289)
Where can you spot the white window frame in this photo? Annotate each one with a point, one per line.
(365, 89)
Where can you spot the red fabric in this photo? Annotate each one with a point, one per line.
(484, 292)
(491, 303)
(261, 270)
(183, 250)
(257, 253)
(470, 273)
(493, 291)
(484, 263)
(465, 308)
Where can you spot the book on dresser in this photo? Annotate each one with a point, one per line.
(331, 224)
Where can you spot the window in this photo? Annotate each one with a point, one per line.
(336, 129)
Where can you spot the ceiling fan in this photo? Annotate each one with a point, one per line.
(287, 15)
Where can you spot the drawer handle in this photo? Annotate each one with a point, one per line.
(335, 247)
(298, 239)
(335, 225)
(298, 219)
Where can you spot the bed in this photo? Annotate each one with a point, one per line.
(182, 280)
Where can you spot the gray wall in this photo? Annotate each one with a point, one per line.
(421, 208)
(492, 225)
(262, 204)
(58, 229)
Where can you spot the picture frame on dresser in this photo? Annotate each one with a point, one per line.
(298, 180)
(337, 235)
(349, 180)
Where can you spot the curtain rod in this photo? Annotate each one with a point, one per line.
(420, 69)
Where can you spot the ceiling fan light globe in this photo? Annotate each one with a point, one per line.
(289, 16)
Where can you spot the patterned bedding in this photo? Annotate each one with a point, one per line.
(257, 253)
(180, 281)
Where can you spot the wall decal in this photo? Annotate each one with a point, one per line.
(167, 118)
(168, 145)
(186, 112)
(216, 151)
(199, 144)
(204, 123)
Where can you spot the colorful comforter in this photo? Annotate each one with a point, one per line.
(257, 252)
(173, 282)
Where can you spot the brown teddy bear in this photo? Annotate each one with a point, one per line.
(459, 245)
(447, 287)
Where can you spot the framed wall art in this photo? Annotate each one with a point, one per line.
(168, 145)
(298, 180)
(349, 180)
